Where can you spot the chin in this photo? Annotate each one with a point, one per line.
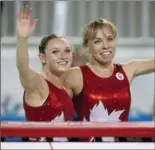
(63, 69)
(108, 61)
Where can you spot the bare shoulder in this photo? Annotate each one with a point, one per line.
(138, 67)
(72, 73)
(128, 65)
(129, 69)
(73, 80)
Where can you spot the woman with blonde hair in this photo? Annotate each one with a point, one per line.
(101, 88)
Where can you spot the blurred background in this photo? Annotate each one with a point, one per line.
(135, 21)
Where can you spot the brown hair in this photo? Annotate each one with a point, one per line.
(91, 29)
(44, 42)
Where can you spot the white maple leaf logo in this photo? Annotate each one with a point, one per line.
(100, 114)
(59, 119)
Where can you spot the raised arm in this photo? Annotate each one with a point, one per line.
(138, 67)
(144, 67)
(141, 67)
(25, 26)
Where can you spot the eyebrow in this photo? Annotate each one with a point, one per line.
(98, 38)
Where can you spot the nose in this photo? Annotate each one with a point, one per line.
(104, 44)
(64, 55)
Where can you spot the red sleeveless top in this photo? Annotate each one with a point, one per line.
(103, 99)
(58, 107)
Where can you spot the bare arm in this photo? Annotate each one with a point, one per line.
(22, 62)
(25, 26)
(73, 81)
(68, 83)
(138, 67)
(141, 67)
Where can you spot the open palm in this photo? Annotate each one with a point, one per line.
(25, 23)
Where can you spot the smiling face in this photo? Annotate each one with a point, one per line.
(58, 55)
(100, 38)
(102, 47)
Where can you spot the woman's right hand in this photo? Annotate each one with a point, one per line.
(25, 23)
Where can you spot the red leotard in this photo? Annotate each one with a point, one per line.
(57, 107)
(103, 99)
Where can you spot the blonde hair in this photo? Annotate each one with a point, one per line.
(91, 29)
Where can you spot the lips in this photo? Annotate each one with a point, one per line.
(63, 62)
(106, 53)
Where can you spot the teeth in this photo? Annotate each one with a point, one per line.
(106, 53)
(62, 62)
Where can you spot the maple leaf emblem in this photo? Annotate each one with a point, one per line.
(100, 114)
(59, 118)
